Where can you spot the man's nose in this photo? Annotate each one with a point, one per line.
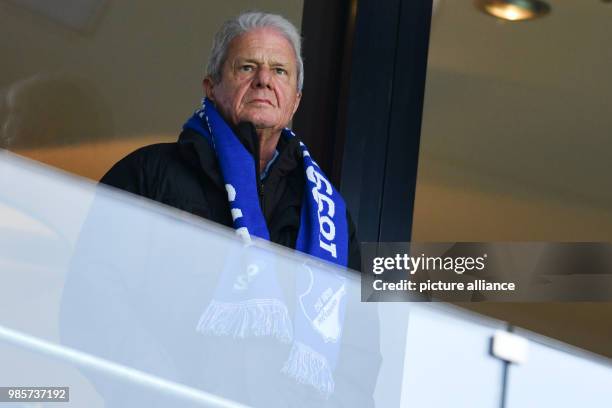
(262, 77)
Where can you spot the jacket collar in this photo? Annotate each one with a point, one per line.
(195, 150)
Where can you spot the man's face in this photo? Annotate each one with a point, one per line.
(258, 81)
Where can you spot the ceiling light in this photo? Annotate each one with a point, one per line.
(514, 10)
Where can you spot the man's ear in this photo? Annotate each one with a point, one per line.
(209, 86)
(298, 98)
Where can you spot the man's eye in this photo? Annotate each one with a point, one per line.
(247, 68)
(281, 71)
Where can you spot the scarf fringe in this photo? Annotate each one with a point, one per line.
(251, 318)
(307, 366)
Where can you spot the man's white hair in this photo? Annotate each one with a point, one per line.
(244, 23)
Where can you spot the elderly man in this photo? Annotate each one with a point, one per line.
(235, 162)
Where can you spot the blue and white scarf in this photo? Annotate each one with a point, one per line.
(248, 301)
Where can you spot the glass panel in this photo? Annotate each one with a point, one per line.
(447, 354)
(554, 378)
(132, 303)
(107, 282)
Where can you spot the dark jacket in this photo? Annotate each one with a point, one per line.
(186, 175)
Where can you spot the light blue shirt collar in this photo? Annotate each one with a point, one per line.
(266, 170)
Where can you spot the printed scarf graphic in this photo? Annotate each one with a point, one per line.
(248, 301)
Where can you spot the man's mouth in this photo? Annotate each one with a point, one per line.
(262, 101)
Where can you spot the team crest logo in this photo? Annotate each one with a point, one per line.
(322, 309)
